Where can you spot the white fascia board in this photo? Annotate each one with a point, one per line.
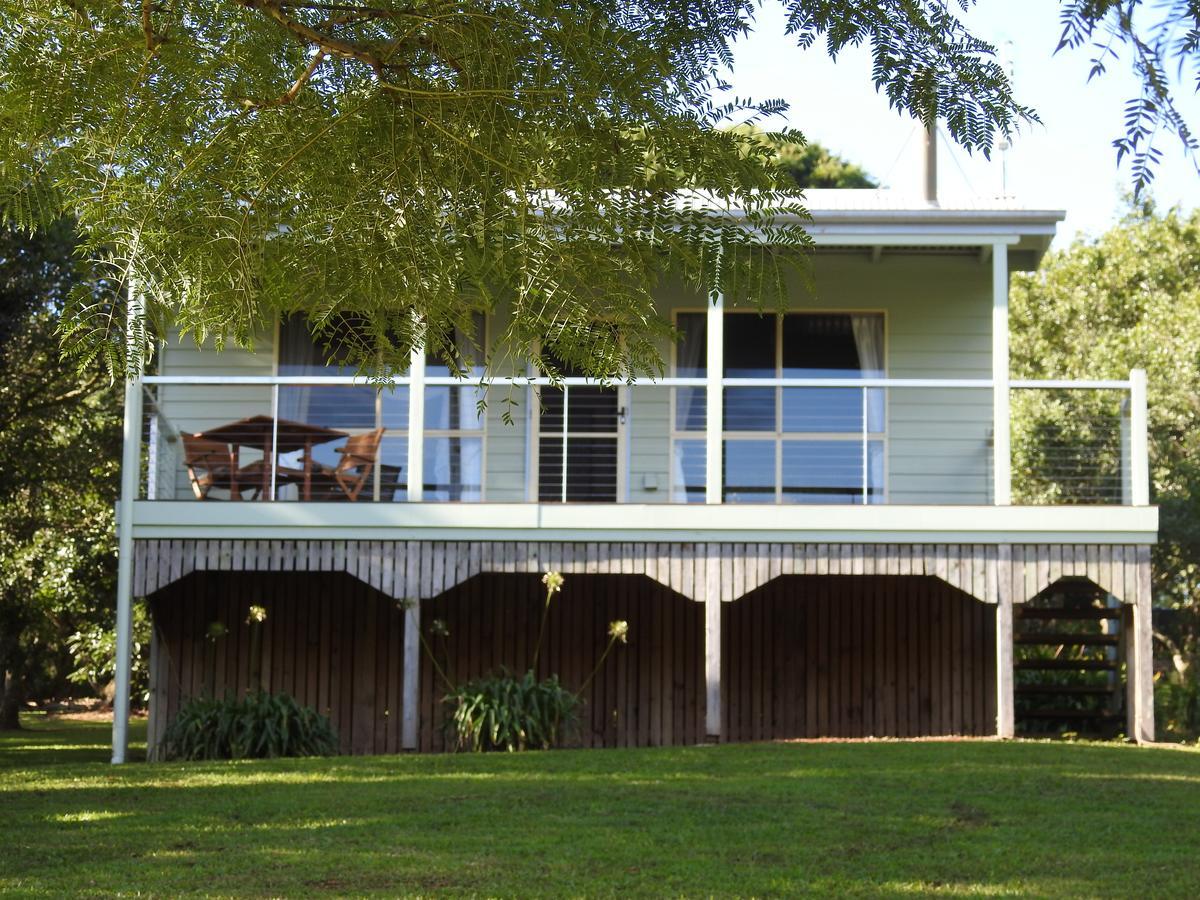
(869, 236)
(997, 219)
(646, 522)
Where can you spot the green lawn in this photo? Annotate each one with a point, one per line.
(769, 819)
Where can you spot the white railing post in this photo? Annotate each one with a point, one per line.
(416, 423)
(274, 462)
(714, 400)
(865, 475)
(1139, 439)
(1001, 437)
(566, 409)
(531, 397)
(131, 457)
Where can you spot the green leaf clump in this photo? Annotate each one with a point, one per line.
(257, 726)
(510, 713)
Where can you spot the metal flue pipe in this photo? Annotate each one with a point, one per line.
(929, 166)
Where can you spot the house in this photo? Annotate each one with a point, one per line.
(809, 525)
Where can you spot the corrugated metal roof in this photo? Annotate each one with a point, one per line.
(888, 200)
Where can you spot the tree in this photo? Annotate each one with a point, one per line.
(1130, 298)
(406, 165)
(59, 452)
(812, 166)
(411, 164)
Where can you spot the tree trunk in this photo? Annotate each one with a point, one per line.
(10, 703)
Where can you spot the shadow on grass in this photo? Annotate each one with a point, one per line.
(54, 740)
(737, 819)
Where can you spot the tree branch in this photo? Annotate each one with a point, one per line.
(153, 39)
(379, 60)
(291, 93)
(331, 45)
(1178, 659)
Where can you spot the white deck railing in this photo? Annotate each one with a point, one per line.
(1093, 451)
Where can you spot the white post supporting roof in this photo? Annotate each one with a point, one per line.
(714, 399)
(130, 468)
(1001, 437)
(416, 423)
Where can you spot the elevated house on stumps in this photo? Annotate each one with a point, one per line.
(812, 524)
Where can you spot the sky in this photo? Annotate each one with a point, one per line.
(1067, 162)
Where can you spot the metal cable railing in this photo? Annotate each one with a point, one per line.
(529, 439)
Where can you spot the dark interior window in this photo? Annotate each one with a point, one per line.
(816, 346)
(749, 346)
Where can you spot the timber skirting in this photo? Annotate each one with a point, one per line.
(430, 574)
(420, 570)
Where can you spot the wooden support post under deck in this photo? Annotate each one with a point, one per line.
(1139, 678)
(1005, 704)
(410, 692)
(712, 645)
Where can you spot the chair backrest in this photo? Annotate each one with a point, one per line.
(201, 453)
(360, 450)
(209, 463)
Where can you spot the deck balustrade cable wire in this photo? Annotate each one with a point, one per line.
(1072, 441)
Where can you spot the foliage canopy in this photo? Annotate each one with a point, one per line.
(409, 164)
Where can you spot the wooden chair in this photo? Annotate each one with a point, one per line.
(356, 468)
(210, 464)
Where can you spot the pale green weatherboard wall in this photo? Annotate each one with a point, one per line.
(938, 325)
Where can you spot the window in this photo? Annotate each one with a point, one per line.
(453, 421)
(793, 444)
(578, 443)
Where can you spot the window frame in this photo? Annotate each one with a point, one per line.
(535, 435)
(777, 435)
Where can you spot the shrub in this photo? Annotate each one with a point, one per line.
(504, 712)
(257, 726)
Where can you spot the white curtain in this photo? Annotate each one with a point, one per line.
(691, 355)
(868, 339)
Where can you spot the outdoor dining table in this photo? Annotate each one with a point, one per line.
(273, 437)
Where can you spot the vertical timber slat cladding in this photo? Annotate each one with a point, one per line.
(743, 567)
(848, 619)
(871, 639)
(635, 694)
(327, 634)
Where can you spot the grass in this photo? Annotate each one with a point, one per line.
(769, 819)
